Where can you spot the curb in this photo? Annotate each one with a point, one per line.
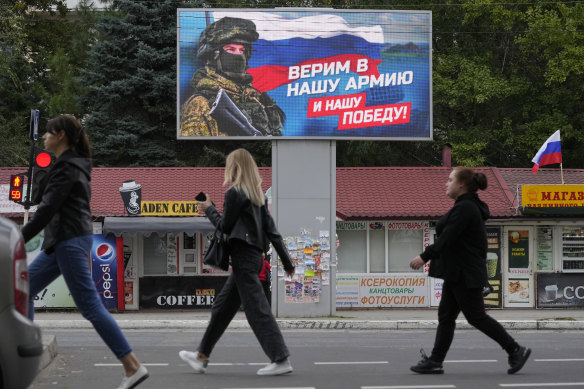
(319, 324)
(50, 351)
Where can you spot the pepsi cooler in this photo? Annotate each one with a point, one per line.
(107, 270)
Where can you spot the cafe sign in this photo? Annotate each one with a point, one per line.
(543, 196)
(169, 208)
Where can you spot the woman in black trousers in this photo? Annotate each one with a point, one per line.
(459, 257)
(247, 222)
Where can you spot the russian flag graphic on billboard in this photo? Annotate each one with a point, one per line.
(333, 74)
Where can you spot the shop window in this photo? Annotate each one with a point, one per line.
(189, 242)
(403, 246)
(573, 249)
(377, 251)
(155, 255)
(352, 252)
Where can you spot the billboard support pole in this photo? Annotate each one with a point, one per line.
(300, 169)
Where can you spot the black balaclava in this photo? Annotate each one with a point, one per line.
(233, 66)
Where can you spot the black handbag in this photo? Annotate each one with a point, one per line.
(217, 254)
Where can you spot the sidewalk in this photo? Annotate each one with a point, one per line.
(517, 319)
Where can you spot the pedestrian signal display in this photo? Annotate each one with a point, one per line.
(16, 193)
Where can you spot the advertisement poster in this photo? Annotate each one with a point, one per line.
(557, 290)
(57, 294)
(545, 256)
(107, 255)
(519, 290)
(311, 257)
(179, 292)
(518, 243)
(347, 290)
(304, 73)
(383, 290)
(495, 298)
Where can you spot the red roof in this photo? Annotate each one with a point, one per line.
(363, 193)
(408, 193)
(160, 184)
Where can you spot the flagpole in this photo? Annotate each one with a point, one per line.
(562, 171)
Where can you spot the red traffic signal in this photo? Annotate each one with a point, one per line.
(16, 188)
(43, 159)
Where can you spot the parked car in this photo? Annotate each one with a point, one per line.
(21, 344)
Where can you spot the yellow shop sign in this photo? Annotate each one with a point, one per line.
(552, 196)
(169, 208)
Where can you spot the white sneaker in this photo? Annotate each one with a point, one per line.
(134, 380)
(192, 358)
(276, 368)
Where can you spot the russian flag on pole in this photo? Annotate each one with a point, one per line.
(550, 152)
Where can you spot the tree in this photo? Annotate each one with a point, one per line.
(19, 90)
(37, 66)
(131, 76)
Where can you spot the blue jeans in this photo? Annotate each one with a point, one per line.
(71, 259)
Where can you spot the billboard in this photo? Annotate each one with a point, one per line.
(301, 73)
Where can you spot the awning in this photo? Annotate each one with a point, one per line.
(161, 225)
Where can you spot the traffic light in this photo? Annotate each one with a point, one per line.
(41, 165)
(16, 193)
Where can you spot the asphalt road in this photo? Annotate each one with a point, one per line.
(322, 359)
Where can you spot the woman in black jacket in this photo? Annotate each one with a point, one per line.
(247, 222)
(66, 218)
(459, 257)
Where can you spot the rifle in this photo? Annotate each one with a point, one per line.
(229, 118)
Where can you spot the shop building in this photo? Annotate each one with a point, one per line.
(385, 217)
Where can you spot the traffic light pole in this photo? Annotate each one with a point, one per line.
(26, 203)
(33, 135)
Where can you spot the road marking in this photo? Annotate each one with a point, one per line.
(560, 360)
(119, 364)
(534, 384)
(409, 387)
(239, 364)
(471, 361)
(352, 363)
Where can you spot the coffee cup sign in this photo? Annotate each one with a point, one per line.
(132, 196)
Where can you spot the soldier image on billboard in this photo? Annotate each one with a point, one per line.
(224, 102)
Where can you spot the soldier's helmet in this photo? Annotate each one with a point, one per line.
(224, 31)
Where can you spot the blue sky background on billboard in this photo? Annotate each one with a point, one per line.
(359, 74)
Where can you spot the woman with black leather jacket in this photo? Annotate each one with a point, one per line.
(459, 257)
(247, 222)
(65, 216)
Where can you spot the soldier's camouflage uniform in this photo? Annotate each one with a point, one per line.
(259, 108)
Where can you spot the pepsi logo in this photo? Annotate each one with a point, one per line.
(104, 251)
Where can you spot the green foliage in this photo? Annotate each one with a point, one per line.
(131, 75)
(506, 75)
(19, 91)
